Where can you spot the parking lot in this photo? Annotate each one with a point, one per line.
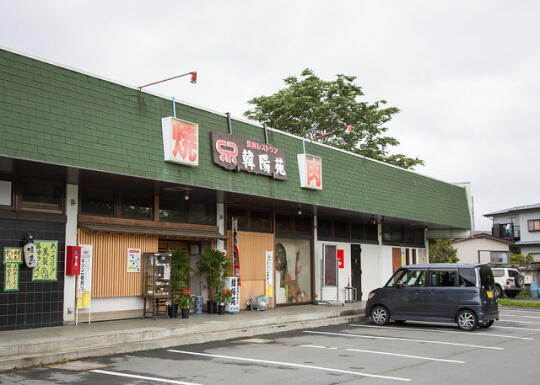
(347, 354)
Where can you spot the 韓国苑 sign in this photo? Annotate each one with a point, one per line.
(310, 169)
(180, 141)
(236, 153)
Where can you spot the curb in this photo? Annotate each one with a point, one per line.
(44, 358)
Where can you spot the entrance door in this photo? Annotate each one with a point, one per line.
(396, 259)
(356, 269)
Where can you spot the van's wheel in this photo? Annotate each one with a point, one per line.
(498, 292)
(380, 315)
(467, 320)
(486, 325)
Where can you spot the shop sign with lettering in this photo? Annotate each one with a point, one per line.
(310, 169)
(236, 153)
(180, 141)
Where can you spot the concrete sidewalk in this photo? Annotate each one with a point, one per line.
(23, 348)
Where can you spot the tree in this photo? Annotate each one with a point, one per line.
(309, 107)
(442, 251)
(520, 259)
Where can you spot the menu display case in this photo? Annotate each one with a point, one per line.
(156, 283)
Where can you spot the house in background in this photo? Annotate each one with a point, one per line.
(521, 226)
(482, 248)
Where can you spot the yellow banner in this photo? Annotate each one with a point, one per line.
(46, 269)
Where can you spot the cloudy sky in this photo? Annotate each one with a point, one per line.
(465, 74)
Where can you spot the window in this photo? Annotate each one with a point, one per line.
(396, 278)
(42, 196)
(413, 278)
(254, 220)
(137, 207)
(284, 224)
(202, 213)
(97, 203)
(498, 256)
(172, 210)
(5, 193)
(498, 272)
(330, 265)
(341, 229)
(324, 228)
(302, 225)
(534, 224)
(260, 221)
(443, 278)
(241, 215)
(467, 278)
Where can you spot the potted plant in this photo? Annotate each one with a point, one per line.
(222, 298)
(185, 300)
(180, 271)
(214, 265)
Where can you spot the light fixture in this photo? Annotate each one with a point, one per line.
(372, 220)
(382, 219)
(186, 197)
(299, 212)
(192, 73)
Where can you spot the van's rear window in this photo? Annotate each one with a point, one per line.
(486, 278)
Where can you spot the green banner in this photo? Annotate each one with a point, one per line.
(46, 269)
(11, 282)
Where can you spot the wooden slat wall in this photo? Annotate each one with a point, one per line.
(109, 262)
(252, 249)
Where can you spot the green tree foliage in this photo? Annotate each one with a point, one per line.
(309, 107)
(442, 251)
(520, 259)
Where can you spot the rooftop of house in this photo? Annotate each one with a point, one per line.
(535, 206)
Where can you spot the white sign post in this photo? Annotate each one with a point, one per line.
(269, 274)
(84, 284)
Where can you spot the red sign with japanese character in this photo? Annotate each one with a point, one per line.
(180, 141)
(341, 259)
(310, 168)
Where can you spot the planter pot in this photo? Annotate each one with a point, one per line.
(211, 307)
(221, 309)
(185, 313)
(172, 310)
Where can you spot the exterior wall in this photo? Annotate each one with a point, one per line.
(527, 235)
(468, 251)
(117, 129)
(370, 269)
(36, 303)
(112, 308)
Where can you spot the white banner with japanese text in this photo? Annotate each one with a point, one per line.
(231, 283)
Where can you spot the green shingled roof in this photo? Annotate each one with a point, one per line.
(52, 114)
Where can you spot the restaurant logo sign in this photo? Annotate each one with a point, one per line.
(236, 153)
(180, 141)
(310, 168)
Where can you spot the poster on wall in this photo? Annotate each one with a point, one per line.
(232, 284)
(180, 141)
(46, 269)
(134, 260)
(84, 289)
(269, 273)
(293, 270)
(12, 260)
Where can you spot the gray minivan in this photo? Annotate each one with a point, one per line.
(437, 292)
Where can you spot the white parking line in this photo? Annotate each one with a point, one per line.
(518, 321)
(348, 335)
(386, 353)
(156, 379)
(516, 327)
(520, 316)
(279, 363)
(444, 331)
(518, 311)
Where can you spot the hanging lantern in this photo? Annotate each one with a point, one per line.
(30, 253)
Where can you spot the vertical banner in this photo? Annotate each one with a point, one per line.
(84, 289)
(269, 273)
(134, 260)
(233, 284)
(341, 259)
(236, 254)
(12, 260)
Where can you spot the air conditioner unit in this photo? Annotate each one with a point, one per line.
(259, 302)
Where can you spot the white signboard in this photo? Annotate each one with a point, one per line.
(134, 260)
(84, 289)
(231, 283)
(269, 273)
(180, 141)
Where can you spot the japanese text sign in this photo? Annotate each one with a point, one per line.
(47, 262)
(84, 290)
(341, 259)
(180, 141)
(236, 153)
(310, 169)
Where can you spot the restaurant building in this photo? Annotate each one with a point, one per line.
(86, 161)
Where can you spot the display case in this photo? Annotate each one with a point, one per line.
(156, 283)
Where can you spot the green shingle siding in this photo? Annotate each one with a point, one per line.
(52, 114)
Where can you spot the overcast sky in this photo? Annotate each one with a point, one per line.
(465, 74)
